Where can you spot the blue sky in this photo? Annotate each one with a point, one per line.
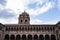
(40, 11)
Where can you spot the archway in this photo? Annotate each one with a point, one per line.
(53, 37)
(12, 37)
(23, 37)
(6, 37)
(35, 37)
(41, 37)
(47, 37)
(18, 37)
(29, 37)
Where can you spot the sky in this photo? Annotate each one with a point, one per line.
(40, 11)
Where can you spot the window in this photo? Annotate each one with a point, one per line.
(25, 21)
(21, 21)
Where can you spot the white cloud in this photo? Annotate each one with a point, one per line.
(21, 5)
(1, 7)
(9, 21)
(16, 5)
(39, 10)
(35, 21)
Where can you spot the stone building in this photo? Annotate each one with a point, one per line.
(25, 31)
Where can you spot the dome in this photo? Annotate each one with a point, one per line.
(25, 13)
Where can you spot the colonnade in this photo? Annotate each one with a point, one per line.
(30, 29)
(30, 37)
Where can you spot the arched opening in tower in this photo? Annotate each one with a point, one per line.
(29, 37)
(35, 37)
(47, 37)
(41, 37)
(53, 37)
(23, 37)
(6, 37)
(18, 37)
(12, 37)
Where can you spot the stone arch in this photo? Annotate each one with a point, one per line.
(53, 37)
(47, 37)
(41, 37)
(18, 37)
(29, 37)
(23, 37)
(12, 37)
(6, 37)
(35, 37)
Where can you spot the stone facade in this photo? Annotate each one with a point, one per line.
(25, 31)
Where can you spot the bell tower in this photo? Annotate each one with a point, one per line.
(24, 18)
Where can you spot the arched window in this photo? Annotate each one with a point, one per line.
(29, 37)
(53, 37)
(23, 37)
(41, 37)
(12, 37)
(6, 37)
(25, 21)
(47, 37)
(35, 37)
(21, 21)
(18, 37)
